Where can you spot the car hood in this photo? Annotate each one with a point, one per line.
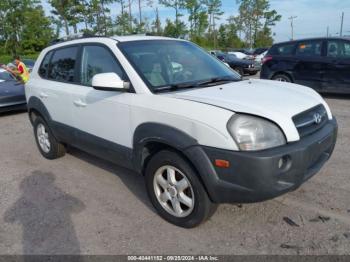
(276, 101)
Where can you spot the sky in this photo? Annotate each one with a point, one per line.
(313, 16)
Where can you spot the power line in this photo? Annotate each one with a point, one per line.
(292, 24)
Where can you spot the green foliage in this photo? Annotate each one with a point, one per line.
(5, 59)
(26, 30)
(256, 18)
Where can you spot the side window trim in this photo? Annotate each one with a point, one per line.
(124, 77)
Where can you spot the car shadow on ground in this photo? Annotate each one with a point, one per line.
(11, 113)
(44, 212)
(132, 180)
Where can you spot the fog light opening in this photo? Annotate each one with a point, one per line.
(284, 163)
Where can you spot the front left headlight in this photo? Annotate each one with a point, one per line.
(253, 133)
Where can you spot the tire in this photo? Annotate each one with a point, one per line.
(47, 144)
(168, 162)
(239, 71)
(282, 78)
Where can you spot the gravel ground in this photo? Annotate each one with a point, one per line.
(79, 204)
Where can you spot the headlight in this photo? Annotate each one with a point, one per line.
(254, 133)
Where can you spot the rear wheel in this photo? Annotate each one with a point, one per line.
(282, 78)
(175, 190)
(48, 146)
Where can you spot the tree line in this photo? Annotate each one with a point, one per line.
(25, 28)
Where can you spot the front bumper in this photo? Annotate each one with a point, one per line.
(251, 70)
(258, 176)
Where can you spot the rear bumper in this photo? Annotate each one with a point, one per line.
(257, 176)
(265, 72)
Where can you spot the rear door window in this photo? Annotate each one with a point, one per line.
(62, 64)
(309, 48)
(285, 49)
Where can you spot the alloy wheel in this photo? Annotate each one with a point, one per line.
(173, 191)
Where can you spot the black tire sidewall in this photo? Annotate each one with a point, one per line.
(52, 154)
(202, 205)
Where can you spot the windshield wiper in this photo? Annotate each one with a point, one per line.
(208, 82)
(217, 80)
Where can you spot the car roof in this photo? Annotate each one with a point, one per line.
(312, 38)
(140, 37)
(104, 39)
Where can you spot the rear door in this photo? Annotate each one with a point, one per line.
(310, 64)
(337, 75)
(58, 79)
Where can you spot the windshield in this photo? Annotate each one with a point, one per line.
(5, 76)
(169, 64)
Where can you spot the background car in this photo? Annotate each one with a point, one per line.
(320, 63)
(12, 95)
(29, 64)
(241, 66)
(239, 55)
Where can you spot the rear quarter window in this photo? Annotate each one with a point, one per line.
(45, 65)
(285, 49)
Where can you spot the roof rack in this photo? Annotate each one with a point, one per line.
(72, 37)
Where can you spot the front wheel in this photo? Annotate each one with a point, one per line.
(175, 190)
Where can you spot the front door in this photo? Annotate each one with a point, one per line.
(337, 77)
(101, 118)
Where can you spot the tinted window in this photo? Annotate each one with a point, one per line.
(45, 65)
(338, 49)
(286, 49)
(62, 64)
(309, 48)
(96, 60)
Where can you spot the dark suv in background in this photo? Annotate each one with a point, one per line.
(320, 63)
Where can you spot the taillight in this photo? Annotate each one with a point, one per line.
(266, 59)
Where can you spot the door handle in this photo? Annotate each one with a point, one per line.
(43, 95)
(79, 103)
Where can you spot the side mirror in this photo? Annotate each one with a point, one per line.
(109, 82)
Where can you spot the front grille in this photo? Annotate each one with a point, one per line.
(311, 120)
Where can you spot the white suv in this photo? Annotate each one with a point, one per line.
(171, 111)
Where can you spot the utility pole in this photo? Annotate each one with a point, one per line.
(292, 25)
(341, 24)
(327, 31)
